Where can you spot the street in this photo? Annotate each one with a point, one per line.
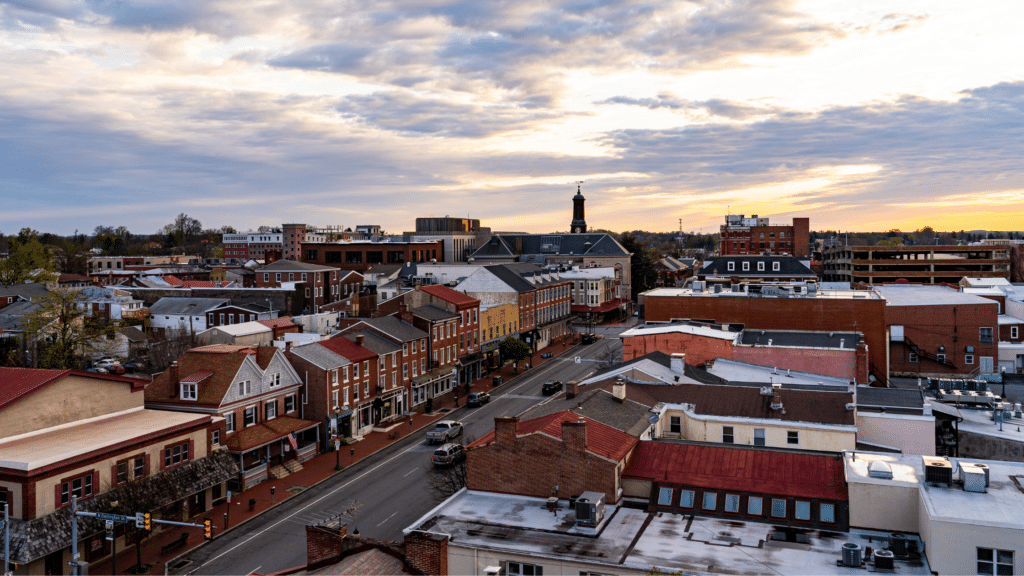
(383, 493)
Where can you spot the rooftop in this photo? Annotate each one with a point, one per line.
(602, 440)
(94, 435)
(919, 295)
(819, 294)
(293, 265)
(448, 295)
(736, 371)
(632, 540)
(801, 339)
(718, 331)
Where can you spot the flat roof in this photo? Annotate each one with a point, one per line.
(52, 445)
(819, 294)
(917, 295)
(998, 507)
(631, 539)
(683, 328)
(736, 371)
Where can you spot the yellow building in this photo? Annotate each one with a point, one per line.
(497, 321)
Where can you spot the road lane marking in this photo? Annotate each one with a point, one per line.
(303, 509)
(386, 519)
(410, 472)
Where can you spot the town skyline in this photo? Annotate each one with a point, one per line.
(862, 117)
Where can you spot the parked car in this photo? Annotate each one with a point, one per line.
(110, 365)
(478, 398)
(546, 355)
(497, 380)
(448, 454)
(550, 388)
(589, 338)
(444, 431)
(97, 370)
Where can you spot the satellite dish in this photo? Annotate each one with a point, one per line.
(654, 419)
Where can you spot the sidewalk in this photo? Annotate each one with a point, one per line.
(314, 471)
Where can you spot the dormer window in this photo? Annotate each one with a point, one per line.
(746, 266)
(760, 266)
(776, 266)
(189, 391)
(730, 266)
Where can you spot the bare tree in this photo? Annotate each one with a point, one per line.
(65, 331)
(168, 345)
(139, 494)
(446, 481)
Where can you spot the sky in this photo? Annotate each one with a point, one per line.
(866, 115)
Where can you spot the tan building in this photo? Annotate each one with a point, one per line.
(71, 434)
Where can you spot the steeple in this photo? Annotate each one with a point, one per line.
(579, 223)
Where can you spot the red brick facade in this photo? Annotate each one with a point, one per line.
(794, 239)
(952, 330)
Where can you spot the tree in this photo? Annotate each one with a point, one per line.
(140, 494)
(64, 331)
(445, 482)
(71, 258)
(641, 266)
(27, 255)
(513, 349)
(182, 231)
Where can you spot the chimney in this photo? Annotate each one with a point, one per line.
(571, 389)
(404, 313)
(505, 430)
(359, 339)
(175, 379)
(678, 363)
(776, 396)
(427, 552)
(574, 435)
(619, 390)
(323, 544)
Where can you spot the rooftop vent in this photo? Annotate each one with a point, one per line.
(879, 469)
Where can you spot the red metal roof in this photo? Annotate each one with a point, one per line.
(347, 349)
(741, 469)
(16, 383)
(602, 440)
(448, 295)
(197, 376)
(282, 321)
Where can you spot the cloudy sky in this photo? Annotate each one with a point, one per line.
(862, 115)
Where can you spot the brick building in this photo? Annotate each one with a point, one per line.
(256, 395)
(252, 245)
(938, 330)
(860, 311)
(361, 255)
(742, 235)
(531, 458)
(415, 353)
(322, 283)
(760, 267)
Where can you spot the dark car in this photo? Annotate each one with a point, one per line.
(478, 398)
(448, 454)
(550, 388)
(497, 381)
(589, 338)
(546, 355)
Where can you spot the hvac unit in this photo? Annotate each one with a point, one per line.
(590, 508)
(937, 471)
(973, 478)
(851, 555)
(983, 467)
(898, 545)
(884, 560)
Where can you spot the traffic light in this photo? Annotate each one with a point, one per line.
(208, 529)
(147, 523)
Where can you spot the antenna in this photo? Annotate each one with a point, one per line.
(577, 183)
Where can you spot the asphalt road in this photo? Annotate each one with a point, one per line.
(384, 493)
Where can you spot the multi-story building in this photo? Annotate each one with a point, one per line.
(363, 377)
(184, 314)
(68, 434)
(292, 237)
(415, 355)
(754, 235)
(923, 264)
(361, 255)
(256, 396)
(761, 268)
(252, 245)
(322, 284)
(497, 322)
(461, 236)
(594, 292)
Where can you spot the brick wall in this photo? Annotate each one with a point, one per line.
(954, 327)
(839, 363)
(427, 552)
(323, 544)
(699, 349)
(534, 464)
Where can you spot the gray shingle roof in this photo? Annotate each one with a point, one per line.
(788, 266)
(185, 306)
(375, 342)
(320, 356)
(431, 312)
(292, 266)
(30, 290)
(889, 397)
(38, 537)
(510, 277)
(396, 328)
(600, 405)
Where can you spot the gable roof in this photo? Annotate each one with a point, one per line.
(448, 295)
(395, 327)
(17, 383)
(294, 266)
(282, 321)
(319, 356)
(602, 440)
(788, 266)
(591, 244)
(175, 306)
(29, 290)
(222, 360)
(347, 349)
(600, 405)
(432, 312)
(764, 471)
(510, 277)
(374, 342)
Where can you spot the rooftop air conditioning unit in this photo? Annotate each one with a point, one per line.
(590, 509)
(851, 555)
(884, 560)
(937, 471)
(975, 477)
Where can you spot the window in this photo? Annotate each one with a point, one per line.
(754, 506)
(968, 358)
(334, 397)
(366, 389)
(912, 357)
(760, 266)
(1014, 332)
(355, 371)
(985, 338)
(776, 266)
(991, 561)
(291, 276)
(675, 425)
(289, 404)
(266, 277)
(275, 379)
(80, 487)
(189, 390)
(746, 266)
(249, 416)
(271, 410)
(778, 508)
(710, 501)
(827, 513)
(759, 437)
(803, 510)
(727, 435)
(175, 455)
(139, 465)
(229, 422)
(244, 388)
(686, 498)
(215, 437)
(940, 357)
(732, 503)
(344, 374)
(665, 496)
(520, 569)
(730, 266)
(277, 277)
(122, 472)
(792, 437)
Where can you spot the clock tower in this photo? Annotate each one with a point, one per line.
(579, 224)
